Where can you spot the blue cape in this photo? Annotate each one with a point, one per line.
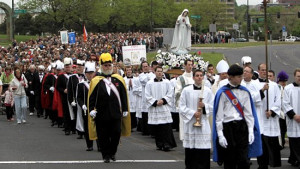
(255, 149)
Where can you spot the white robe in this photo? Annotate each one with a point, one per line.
(270, 126)
(131, 96)
(196, 137)
(155, 91)
(144, 78)
(182, 34)
(253, 87)
(188, 79)
(137, 91)
(291, 102)
(174, 108)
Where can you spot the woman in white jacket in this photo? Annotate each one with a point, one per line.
(17, 86)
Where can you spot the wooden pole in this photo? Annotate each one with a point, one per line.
(266, 48)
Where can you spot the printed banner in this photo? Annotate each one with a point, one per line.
(64, 37)
(72, 38)
(134, 55)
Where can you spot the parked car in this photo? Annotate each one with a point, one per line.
(241, 40)
(297, 38)
(290, 39)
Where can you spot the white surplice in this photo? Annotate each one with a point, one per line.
(144, 78)
(291, 102)
(269, 126)
(196, 137)
(131, 96)
(155, 91)
(137, 92)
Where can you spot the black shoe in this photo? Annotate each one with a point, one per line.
(113, 157)
(166, 148)
(106, 159)
(89, 149)
(52, 124)
(73, 132)
(293, 163)
(46, 117)
(99, 149)
(80, 137)
(159, 148)
(38, 116)
(67, 133)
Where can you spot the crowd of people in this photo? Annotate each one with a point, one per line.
(85, 89)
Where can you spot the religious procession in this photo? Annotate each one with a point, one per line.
(93, 89)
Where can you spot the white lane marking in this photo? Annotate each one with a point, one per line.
(101, 161)
(89, 161)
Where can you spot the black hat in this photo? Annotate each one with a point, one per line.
(235, 70)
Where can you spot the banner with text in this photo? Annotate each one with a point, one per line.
(134, 55)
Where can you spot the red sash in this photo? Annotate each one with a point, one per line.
(235, 102)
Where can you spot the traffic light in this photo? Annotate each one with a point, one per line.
(278, 15)
(298, 14)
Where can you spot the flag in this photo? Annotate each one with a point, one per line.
(85, 35)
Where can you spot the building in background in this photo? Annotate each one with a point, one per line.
(290, 2)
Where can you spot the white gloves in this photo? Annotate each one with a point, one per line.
(73, 103)
(125, 113)
(32, 92)
(84, 107)
(51, 89)
(251, 137)
(223, 141)
(93, 113)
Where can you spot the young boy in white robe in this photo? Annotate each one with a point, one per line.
(158, 94)
(197, 139)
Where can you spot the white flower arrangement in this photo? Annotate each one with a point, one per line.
(171, 61)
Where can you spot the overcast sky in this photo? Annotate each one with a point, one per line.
(239, 2)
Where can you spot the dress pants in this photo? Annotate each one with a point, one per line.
(109, 133)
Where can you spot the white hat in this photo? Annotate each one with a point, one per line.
(41, 67)
(68, 61)
(246, 59)
(49, 68)
(222, 66)
(90, 67)
(59, 65)
(80, 62)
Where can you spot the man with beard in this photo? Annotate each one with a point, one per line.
(74, 79)
(108, 109)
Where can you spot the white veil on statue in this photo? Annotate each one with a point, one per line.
(181, 43)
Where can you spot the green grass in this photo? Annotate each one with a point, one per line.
(4, 39)
(213, 57)
(242, 44)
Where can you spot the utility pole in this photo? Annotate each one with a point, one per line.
(248, 22)
(13, 18)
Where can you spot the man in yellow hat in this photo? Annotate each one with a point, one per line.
(108, 109)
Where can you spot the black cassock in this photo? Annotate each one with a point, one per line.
(72, 84)
(82, 96)
(61, 86)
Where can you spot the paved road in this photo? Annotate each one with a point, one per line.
(36, 145)
(282, 57)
